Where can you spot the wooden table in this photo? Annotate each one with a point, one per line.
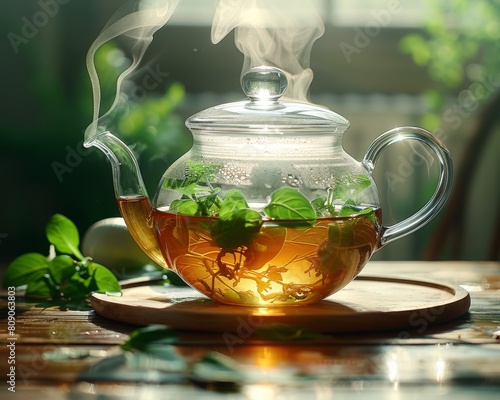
(55, 351)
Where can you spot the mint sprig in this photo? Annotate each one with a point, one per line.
(288, 204)
(63, 234)
(237, 224)
(63, 276)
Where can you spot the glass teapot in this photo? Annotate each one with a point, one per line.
(266, 208)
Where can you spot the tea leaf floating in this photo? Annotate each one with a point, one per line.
(235, 200)
(236, 228)
(185, 207)
(237, 224)
(289, 204)
(350, 186)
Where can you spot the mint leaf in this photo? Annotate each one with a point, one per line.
(104, 280)
(289, 204)
(347, 211)
(61, 277)
(75, 289)
(236, 228)
(341, 233)
(237, 224)
(187, 189)
(198, 171)
(234, 200)
(349, 208)
(322, 207)
(197, 199)
(350, 186)
(63, 234)
(184, 207)
(62, 268)
(25, 269)
(209, 203)
(319, 203)
(195, 172)
(41, 288)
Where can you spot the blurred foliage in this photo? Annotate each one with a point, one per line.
(46, 169)
(461, 41)
(143, 114)
(144, 119)
(148, 121)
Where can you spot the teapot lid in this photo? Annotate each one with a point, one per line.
(263, 113)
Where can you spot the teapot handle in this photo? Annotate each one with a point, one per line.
(443, 189)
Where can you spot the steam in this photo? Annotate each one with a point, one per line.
(135, 23)
(277, 33)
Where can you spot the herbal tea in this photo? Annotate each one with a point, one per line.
(279, 265)
(137, 213)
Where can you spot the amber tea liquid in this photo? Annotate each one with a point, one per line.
(138, 215)
(281, 265)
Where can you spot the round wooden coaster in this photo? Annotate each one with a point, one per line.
(368, 304)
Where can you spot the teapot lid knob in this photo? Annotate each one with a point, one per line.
(264, 83)
(264, 114)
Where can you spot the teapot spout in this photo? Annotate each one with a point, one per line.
(131, 194)
(127, 178)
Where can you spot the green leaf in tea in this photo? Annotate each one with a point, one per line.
(234, 200)
(349, 186)
(236, 228)
(209, 203)
(322, 207)
(319, 203)
(348, 211)
(63, 234)
(341, 232)
(237, 224)
(289, 204)
(200, 172)
(185, 207)
(350, 208)
(198, 197)
(179, 186)
(196, 172)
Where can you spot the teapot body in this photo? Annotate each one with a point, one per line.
(267, 219)
(257, 165)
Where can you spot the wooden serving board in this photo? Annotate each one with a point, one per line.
(368, 304)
